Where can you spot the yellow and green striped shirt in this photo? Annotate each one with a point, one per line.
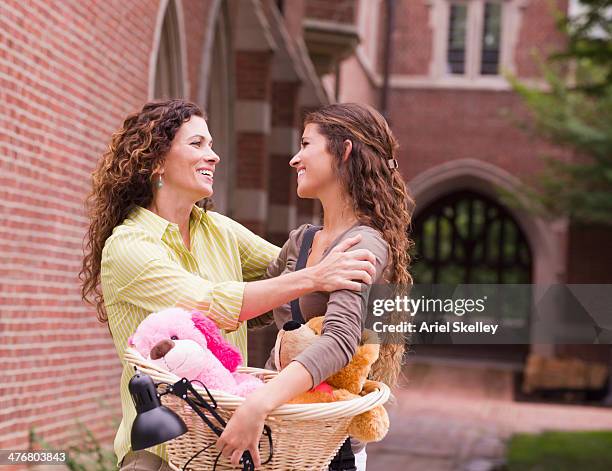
(146, 267)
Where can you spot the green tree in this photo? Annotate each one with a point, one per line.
(575, 112)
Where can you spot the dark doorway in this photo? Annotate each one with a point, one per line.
(467, 237)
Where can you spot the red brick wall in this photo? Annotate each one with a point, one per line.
(341, 11)
(253, 75)
(438, 125)
(285, 110)
(589, 254)
(252, 165)
(71, 71)
(412, 38)
(281, 180)
(65, 87)
(539, 35)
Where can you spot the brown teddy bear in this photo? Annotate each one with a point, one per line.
(348, 383)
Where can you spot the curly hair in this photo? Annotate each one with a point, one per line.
(122, 180)
(379, 197)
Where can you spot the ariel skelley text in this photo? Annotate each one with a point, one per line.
(436, 327)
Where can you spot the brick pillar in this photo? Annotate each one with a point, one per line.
(253, 122)
(255, 52)
(253, 114)
(281, 185)
(284, 144)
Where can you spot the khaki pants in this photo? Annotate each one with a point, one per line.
(143, 461)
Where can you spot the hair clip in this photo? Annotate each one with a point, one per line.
(392, 163)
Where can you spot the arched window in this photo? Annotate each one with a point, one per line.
(169, 80)
(466, 237)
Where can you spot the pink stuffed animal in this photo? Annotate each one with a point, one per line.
(190, 345)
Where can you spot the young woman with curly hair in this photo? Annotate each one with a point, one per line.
(150, 246)
(347, 161)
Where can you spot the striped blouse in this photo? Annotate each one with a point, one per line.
(146, 267)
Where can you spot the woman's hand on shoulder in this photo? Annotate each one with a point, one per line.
(344, 269)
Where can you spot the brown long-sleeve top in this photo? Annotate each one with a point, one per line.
(344, 310)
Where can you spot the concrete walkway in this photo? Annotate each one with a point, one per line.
(453, 417)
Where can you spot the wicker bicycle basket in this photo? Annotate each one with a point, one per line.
(304, 436)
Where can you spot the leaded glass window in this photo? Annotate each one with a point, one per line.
(491, 39)
(457, 38)
(466, 237)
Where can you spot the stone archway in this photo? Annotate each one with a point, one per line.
(547, 239)
(168, 76)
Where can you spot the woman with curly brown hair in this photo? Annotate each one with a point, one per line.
(150, 246)
(347, 161)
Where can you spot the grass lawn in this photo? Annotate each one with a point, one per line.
(561, 451)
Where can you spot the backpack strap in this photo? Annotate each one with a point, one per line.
(296, 312)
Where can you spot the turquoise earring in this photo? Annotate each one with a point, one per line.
(160, 182)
